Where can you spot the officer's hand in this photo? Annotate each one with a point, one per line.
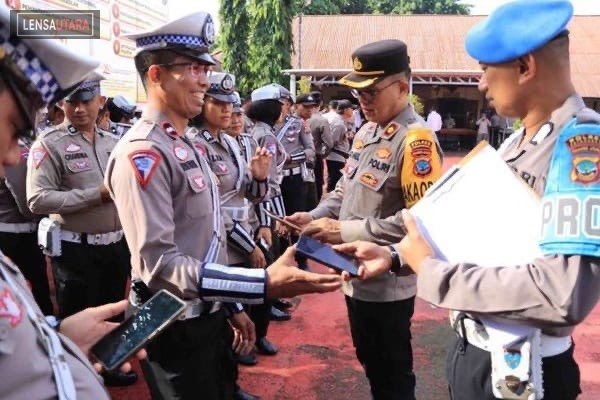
(260, 164)
(257, 258)
(104, 194)
(286, 280)
(299, 218)
(244, 324)
(90, 325)
(374, 260)
(413, 247)
(324, 230)
(238, 341)
(264, 232)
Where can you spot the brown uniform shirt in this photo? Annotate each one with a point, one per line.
(163, 191)
(553, 293)
(321, 133)
(339, 135)
(370, 195)
(297, 140)
(64, 174)
(13, 197)
(24, 363)
(233, 174)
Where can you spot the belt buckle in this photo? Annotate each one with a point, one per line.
(96, 239)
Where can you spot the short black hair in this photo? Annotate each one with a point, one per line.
(145, 59)
(267, 111)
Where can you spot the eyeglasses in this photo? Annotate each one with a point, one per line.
(194, 67)
(369, 94)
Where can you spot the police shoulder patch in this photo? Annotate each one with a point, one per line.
(38, 155)
(144, 163)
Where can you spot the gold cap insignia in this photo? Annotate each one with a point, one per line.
(2, 52)
(357, 64)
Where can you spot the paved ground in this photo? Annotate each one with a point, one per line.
(316, 359)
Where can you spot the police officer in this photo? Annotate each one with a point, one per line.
(265, 110)
(336, 159)
(121, 111)
(306, 106)
(241, 185)
(65, 173)
(380, 179)
(259, 313)
(36, 362)
(169, 205)
(18, 229)
(549, 295)
(323, 141)
(297, 141)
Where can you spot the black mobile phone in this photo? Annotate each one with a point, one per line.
(283, 221)
(138, 329)
(326, 255)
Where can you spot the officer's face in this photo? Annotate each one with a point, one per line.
(11, 123)
(184, 83)
(380, 103)
(499, 83)
(83, 114)
(304, 111)
(217, 113)
(237, 124)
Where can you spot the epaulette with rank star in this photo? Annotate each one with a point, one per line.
(390, 130)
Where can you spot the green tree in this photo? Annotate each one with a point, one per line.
(271, 40)
(353, 6)
(233, 40)
(317, 7)
(454, 7)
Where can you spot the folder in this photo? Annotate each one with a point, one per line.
(481, 212)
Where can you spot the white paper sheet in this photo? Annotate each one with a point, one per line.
(481, 212)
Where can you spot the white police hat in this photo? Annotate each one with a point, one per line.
(124, 105)
(272, 91)
(237, 104)
(222, 87)
(38, 71)
(190, 36)
(88, 89)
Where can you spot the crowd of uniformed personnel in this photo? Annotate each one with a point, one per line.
(192, 195)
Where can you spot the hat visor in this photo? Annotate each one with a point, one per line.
(309, 103)
(359, 81)
(82, 95)
(203, 57)
(226, 98)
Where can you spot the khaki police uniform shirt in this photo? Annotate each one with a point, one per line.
(296, 138)
(224, 165)
(265, 137)
(163, 192)
(13, 198)
(248, 147)
(339, 134)
(64, 174)
(321, 133)
(370, 195)
(24, 363)
(553, 293)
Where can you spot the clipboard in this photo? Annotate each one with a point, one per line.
(481, 212)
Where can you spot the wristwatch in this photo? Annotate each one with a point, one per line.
(397, 262)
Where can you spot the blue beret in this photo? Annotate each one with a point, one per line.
(517, 28)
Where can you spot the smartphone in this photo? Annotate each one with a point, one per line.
(326, 255)
(138, 329)
(283, 221)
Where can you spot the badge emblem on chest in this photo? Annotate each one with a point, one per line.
(199, 181)
(512, 358)
(180, 153)
(200, 149)
(72, 148)
(222, 168)
(359, 144)
(383, 153)
(9, 308)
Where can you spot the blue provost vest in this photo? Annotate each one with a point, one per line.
(571, 202)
